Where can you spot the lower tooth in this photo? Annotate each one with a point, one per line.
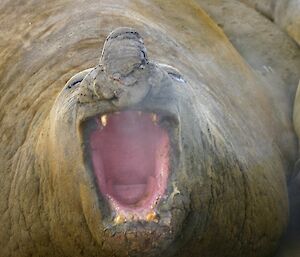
(119, 219)
(152, 216)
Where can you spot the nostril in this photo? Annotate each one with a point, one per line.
(117, 93)
(116, 76)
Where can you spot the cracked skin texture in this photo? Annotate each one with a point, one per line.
(235, 150)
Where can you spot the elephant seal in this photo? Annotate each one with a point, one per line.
(283, 12)
(170, 145)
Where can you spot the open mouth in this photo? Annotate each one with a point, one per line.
(130, 157)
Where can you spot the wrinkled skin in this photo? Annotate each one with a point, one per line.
(233, 144)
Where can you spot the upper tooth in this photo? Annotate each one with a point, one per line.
(154, 118)
(104, 120)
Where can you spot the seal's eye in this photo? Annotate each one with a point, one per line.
(177, 77)
(77, 78)
(74, 83)
(130, 155)
(173, 73)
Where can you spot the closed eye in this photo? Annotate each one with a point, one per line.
(74, 83)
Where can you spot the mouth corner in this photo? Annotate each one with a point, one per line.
(129, 153)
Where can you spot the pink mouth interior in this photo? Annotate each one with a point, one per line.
(130, 157)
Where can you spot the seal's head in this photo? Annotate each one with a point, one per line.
(123, 114)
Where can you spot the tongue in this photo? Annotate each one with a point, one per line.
(132, 194)
(129, 194)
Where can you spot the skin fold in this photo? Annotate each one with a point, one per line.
(285, 13)
(229, 102)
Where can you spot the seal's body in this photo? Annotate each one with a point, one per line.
(166, 144)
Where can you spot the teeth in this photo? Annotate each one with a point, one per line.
(154, 118)
(140, 113)
(152, 216)
(104, 120)
(119, 219)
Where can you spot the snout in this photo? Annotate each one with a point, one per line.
(124, 75)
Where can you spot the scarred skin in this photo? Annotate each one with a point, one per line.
(234, 144)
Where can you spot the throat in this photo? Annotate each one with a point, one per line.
(130, 157)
